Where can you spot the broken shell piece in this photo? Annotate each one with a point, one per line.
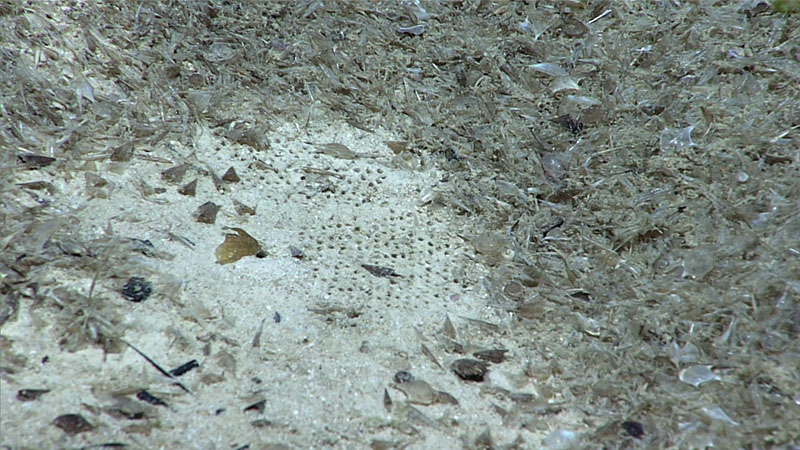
(495, 356)
(554, 70)
(414, 30)
(445, 398)
(33, 161)
(242, 209)
(651, 108)
(72, 424)
(380, 271)
(676, 138)
(337, 150)
(237, 246)
(574, 28)
(28, 395)
(428, 196)
(122, 153)
(207, 213)
(174, 174)
(128, 408)
(296, 252)
(589, 326)
(231, 176)
(555, 165)
(531, 310)
(491, 245)
(418, 391)
(469, 369)
(698, 374)
(94, 180)
(514, 290)
(563, 84)
(448, 329)
(698, 262)
(258, 406)
(397, 146)
(189, 188)
(571, 124)
(593, 114)
(387, 401)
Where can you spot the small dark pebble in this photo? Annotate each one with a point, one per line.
(634, 429)
(493, 356)
(150, 398)
(183, 368)
(403, 376)
(469, 369)
(72, 424)
(137, 289)
(258, 406)
(27, 395)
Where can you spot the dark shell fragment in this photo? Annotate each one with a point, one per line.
(207, 213)
(258, 406)
(380, 271)
(183, 368)
(469, 369)
(72, 424)
(189, 189)
(28, 395)
(231, 176)
(495, 356)
(150, 398)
